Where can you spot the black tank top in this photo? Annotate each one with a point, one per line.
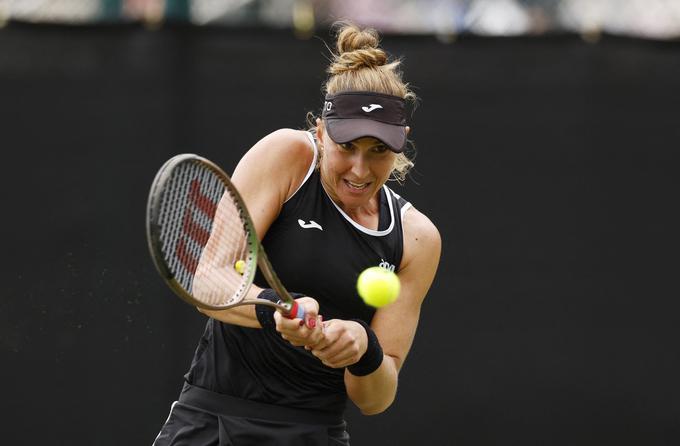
(317, 250)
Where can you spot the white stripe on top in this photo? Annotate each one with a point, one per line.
(311, 167)
(363, 229)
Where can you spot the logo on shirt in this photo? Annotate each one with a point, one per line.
(311, 225)
(371, 107)
(387, 265)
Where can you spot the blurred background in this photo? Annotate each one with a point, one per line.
(547, 154)
(654, 19)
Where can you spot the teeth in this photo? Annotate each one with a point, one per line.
(357, 185)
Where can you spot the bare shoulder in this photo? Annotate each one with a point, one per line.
(283, 145)
(421, 239)
(288, 142)
(282, 157)
(419, 229)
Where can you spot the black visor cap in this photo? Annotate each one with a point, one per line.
(353, 115)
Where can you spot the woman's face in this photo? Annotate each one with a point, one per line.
(354, 172)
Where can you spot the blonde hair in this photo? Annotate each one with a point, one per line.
(359, 64)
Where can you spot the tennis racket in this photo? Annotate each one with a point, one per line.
(203, 241)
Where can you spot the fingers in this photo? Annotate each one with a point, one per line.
(336, 359)
(311, 321)
(341, 345)
(298, 332)
(335, 343)
(311, 309)
(285, 324)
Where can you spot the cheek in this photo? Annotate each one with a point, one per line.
(333, 162)
(383, 168)
(329, 166)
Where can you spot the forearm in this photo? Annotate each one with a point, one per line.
(375, 392)
(243, 315)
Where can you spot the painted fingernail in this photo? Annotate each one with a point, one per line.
(302, 322)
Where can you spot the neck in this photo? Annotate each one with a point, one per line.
(366, 214)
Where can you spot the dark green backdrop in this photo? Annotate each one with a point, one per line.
(549, 165)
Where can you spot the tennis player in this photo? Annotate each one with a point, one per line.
(320, 204)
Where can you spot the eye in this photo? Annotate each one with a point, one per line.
(380, 148)
(347, 146)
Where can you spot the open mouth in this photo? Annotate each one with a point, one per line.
(356, 186)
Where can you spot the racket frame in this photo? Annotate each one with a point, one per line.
(287, 303)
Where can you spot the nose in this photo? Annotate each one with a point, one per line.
(360, 167)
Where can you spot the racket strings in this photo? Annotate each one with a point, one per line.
(205, 241)
(227, 280)
(179, 252)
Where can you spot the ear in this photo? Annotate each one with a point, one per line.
(408, 130)
(319, 129)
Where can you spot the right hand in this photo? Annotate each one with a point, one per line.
(298, 332)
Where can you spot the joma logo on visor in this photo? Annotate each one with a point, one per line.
(371, 107)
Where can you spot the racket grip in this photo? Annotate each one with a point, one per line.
(296, 311)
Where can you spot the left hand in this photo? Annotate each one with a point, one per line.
(343, 343)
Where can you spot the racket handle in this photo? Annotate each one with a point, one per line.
(296, 311)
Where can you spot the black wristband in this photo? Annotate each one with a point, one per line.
(265, 313)
(373, 357)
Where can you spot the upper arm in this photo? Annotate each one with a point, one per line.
(265, 177)
(396, 323)
(270, 172)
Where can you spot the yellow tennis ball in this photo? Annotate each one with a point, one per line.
(378, 286)
(240, 266)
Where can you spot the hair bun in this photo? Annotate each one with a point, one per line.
(357, 49)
